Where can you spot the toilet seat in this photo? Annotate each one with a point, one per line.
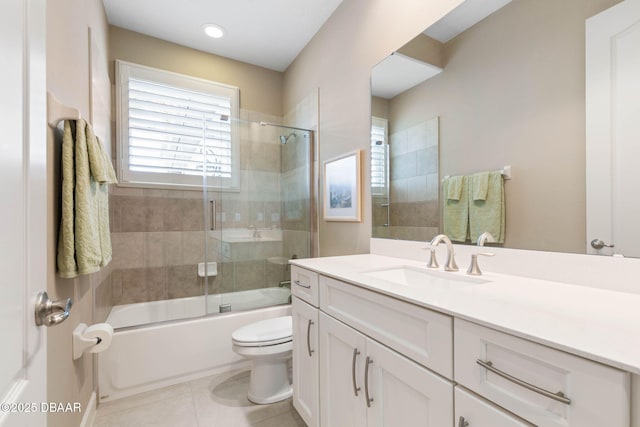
(264, 333)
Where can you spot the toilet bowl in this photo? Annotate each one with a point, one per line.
(268, 345)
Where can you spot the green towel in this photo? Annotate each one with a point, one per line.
(455, 212)
(84, 243)
(479, 185)
(489, 214)
(454, 187)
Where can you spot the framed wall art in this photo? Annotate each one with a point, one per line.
(342, 188)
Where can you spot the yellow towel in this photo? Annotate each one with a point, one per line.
(479, 185)
(489, 214)
(84, 243)
(455, 216)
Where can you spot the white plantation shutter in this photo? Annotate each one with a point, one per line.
(172, 128)
(379, 153)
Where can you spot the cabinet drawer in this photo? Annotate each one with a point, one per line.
(478, 412)
(420, 334)
(304, 285)
(517, 372)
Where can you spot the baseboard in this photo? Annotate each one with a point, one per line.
(90, 412)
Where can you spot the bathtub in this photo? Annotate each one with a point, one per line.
(166, 351)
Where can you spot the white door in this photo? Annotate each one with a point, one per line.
(403, 393)
(23, 231)
(613, 129)
(342, 356)
(305, 361)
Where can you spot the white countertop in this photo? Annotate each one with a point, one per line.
(597, 324)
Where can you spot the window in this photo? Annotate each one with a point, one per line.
(173, 129)
(379, 157)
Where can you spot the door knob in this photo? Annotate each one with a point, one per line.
(51, 312)
(599, 244)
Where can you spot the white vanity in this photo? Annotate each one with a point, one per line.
(383, 341)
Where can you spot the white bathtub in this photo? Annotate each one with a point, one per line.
(157, 355)
(142, 313)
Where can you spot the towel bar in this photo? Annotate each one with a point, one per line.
(57, 111)
(505, 171)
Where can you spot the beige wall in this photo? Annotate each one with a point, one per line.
(68, 78)
(260, 88)
(338, 61)
(519, 101)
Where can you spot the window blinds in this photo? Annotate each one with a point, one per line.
(167, 126)
(174, 129)
(379, 154)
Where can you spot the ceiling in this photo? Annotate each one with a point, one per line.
(265, 33)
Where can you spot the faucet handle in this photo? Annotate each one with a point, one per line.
(433, 262)
(474, 269)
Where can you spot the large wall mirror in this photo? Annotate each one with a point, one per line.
(493, 83)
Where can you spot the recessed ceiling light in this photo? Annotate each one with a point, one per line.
(213, 30)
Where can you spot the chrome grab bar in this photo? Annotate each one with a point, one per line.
(356, 389)
(366, 382)
(559, 396)
(297, 282)
(309, 337)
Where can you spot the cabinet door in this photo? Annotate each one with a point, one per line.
(472, 411)
(342, 354)
(403, 393)
(305, 361)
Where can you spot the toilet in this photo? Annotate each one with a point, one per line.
(267, 343)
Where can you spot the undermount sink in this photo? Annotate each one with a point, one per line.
(414, 276)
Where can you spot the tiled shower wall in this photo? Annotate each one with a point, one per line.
(158, 238)
(413, 209)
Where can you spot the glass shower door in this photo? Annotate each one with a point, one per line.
(264, 221)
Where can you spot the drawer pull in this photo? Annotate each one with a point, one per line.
(559, 396)
(366, 382)
(462, 422)
(309, 337)
(299, 283)
(356, 389)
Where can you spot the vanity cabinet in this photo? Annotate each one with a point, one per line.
(304, 314)
(363, 383)
(363, 358)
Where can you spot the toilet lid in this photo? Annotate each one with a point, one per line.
(265, 332)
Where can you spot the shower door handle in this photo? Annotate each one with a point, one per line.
(212, 219)
(309, 349)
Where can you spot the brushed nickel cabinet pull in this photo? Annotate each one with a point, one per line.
(309, 337)
(356, 389)
(559, 396)
(366, 382)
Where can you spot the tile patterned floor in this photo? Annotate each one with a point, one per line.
(217, 401)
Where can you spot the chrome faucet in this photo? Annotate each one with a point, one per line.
(474, 269)
(256, 233)
(450, 263)
(486, 237)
